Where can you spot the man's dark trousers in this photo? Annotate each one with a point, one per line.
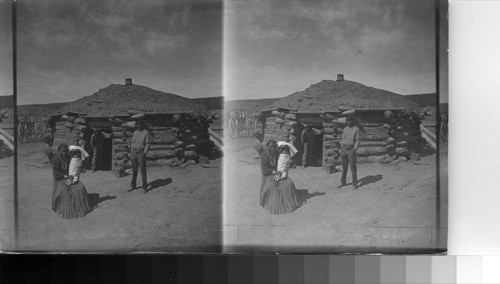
(348, 156)
(138, 159)
(97, 158)
(307, 155)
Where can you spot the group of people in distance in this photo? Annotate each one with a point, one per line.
(278, 194)
(69, 197)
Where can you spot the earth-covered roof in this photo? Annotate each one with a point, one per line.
(118, 99)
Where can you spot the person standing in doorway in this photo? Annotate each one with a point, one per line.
(97, 144)
(349, 146)
(307, 139)
(138, 150)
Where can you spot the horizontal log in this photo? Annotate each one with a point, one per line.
(163, 140)
(290, 116)
(373, 129)
(372, 143)
(203, 142)
(371, 151)
(164, 135)
(402, 144)
(173, 162)
(370, 137)
(129, 125)
(330, 143)
(160, 154)
(99, 123)
(179, 143)
(121, 148)
(385, 159)
(164, 128)
(118, 141)
(280, 120)
(333, 151)
(314, 120)
(162, 147)
(402, 151)
(122, 155)
(118, 129)
(189, 154)
(409, 139)
(332, 137)
(124, 134)
(79, 120)
(333, 160)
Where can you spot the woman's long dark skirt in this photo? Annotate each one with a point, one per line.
(278, 197)
(70, 201)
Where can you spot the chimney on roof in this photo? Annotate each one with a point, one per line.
(340, 77)
(128, 82)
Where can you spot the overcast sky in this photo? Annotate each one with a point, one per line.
(6, 79)
(70, 49)
(275, 48)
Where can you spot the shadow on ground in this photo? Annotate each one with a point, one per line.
(159, 183)
(304, 195)
(94, 198)
(369, 179)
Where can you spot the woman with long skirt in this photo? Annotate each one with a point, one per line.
(268, 167)
(68, 200)
(283, 196)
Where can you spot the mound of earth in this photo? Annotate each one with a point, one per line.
(329, 95)
(118, 99)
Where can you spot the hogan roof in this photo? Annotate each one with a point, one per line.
(118, 99)
(329, 95)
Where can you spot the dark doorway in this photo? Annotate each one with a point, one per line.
(318, 149)
(107, 150)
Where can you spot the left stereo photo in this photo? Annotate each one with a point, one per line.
(7, 232)
(119, 134)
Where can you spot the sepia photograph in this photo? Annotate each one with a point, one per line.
(119, 137)
(336, 122)
(7, 233)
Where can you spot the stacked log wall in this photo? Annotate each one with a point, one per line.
(173, 141)
(385, 136)
(281, 126)
(383, 139)
(67, 131)
(175, 138)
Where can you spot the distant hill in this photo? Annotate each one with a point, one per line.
(6, 102)
(423, 99)
(211, 103)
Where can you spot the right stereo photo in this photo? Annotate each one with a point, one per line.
(335, 126)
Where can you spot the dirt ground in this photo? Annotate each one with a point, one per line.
(7, 204)
(180, 214)
(393, 211)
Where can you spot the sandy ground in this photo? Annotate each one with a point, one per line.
(393, 211)
(7, 204)
(181, 214)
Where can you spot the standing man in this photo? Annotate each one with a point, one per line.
(348, 148)
(138, 150)
(97, 143)
(307, 139)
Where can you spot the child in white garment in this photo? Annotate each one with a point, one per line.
(75, 167)
(287, 150)
(76, 164)
(284, 162)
